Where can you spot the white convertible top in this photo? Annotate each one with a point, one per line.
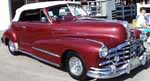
(39, 5)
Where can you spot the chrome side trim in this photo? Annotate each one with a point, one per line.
(47, 52)
(41, 59)
(95, 41)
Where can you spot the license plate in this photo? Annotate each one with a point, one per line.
(134, 63)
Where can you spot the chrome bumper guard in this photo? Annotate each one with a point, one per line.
(112, 71)
(147, 53)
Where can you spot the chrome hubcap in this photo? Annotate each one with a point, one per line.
(75, 66)
(13, 46)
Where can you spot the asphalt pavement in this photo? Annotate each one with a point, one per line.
(25, 68)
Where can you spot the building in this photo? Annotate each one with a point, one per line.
(8, 8)
(17, 3)
(5, 15)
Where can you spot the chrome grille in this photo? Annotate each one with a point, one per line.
(122, 53)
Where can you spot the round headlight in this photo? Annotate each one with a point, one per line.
(103, 52)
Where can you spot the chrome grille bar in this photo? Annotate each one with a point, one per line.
(124, 52)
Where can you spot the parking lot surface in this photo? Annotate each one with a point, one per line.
(24, 68)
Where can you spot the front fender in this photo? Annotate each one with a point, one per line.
(87, 49)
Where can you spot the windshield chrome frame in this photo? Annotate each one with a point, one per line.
(68, 5)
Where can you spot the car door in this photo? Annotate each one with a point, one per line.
(33, 28)
(36, 34)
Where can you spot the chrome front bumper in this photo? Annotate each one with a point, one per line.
(112, 71)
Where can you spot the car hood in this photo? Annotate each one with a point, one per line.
(109, 32)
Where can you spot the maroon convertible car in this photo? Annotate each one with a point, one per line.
(61, 33)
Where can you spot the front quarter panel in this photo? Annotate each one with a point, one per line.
(88, 50)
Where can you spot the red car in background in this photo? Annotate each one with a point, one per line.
(62, 34)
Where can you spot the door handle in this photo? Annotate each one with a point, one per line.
(61, 29)
(81, 33)
(24, 27)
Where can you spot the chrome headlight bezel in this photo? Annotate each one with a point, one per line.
(103, 51)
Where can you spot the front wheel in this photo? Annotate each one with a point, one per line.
(76, 67)
(13, 47)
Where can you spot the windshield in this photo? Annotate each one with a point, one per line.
(77, 10)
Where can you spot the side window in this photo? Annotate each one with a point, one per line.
(63, 11)
(33, 16)
(30, 15)
(57, 13)
(43, 17)
(50, 13)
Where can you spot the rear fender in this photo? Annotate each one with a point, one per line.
(9, 35)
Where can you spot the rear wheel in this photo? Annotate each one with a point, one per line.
(76, 67)
(13, 47)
